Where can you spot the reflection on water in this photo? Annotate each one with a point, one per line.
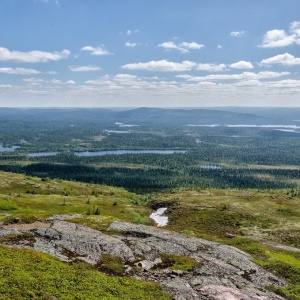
(211, 167)
(119, 152)
(158, 218)
(111, 152)
(7, 149)
(40, 154)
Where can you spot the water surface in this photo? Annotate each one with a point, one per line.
(8, 149)
(40, 154)
(120, 152)
(158, 218)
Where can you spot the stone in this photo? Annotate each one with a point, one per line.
(224, 272)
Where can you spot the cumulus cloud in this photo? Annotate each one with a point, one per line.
(237, 33)
(32, 56)
(89, 68)
(242, 76)
(183, 47)
(241, 65)
(72, 82)
(97, 51)
(282, 59)
(191, 45)
(280, 38)
(18, 71)
(39, 81)
(161, 66)
(122, 77)
(130, 31)
(33, 80)
(132, 45)
(211, 67)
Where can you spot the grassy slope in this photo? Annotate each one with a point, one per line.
(31, 198)
(27, 274)
(30, 275)
(210, 213)
(272, 215)
(243, 219)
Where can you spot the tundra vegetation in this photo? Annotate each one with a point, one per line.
(237, 185)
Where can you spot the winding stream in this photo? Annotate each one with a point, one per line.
(158, 217)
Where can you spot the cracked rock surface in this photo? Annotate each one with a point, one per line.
(224, 272)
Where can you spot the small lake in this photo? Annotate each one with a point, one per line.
(8, 149)
(120, 152)
(247, 126)
(211, 167)
(115, 131)
(40, 154)
(158, 217)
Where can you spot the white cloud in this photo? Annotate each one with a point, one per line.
(161, 66)
(130, 31)
(88, 68)
(172, 45)
(277, 38)
(72, 82)
(287, 83)
(237, 33)
(32, 56)
(211, 67)
(132, 45)
(191, 45)
(97, 51)
(260, 89)
(33, 81)
(18, 71)
(280, 38)
(282, 59)
(39, 81)
(241, 65)
(126, 77)
(242, 76)
(295, 29)
(184, 76)
(220, 46)
(183, 47)
(5, 86)
(47, 1)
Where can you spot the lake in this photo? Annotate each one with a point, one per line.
(39, 154)
(109, 152)
(7, 149)
(211, 167)
(120, 152)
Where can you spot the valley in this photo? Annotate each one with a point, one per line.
(235, 184)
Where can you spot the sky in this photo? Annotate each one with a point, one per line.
(153, 53)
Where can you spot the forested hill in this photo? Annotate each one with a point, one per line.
(150, 116)
(138, 115)
(184, 116)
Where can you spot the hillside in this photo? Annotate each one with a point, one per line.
(32, 210)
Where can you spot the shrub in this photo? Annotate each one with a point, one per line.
(111, 265)
(177, 262)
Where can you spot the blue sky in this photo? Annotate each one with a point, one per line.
(158, 53)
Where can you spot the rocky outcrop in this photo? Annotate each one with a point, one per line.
(83, 242)
(223, 268)
(223, 272)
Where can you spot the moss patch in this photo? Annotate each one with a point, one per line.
(177, 262)
(31, 275)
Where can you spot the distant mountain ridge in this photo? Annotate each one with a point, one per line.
(150, 115)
